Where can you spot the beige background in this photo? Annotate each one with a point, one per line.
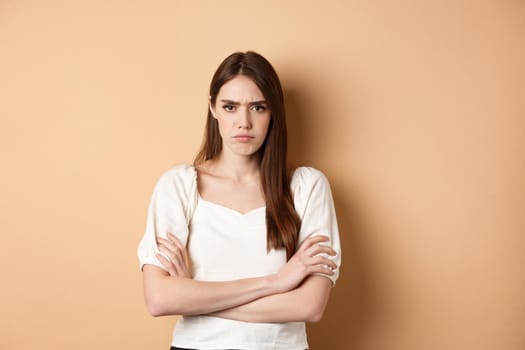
(414, 110)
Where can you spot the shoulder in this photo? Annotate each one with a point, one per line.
(310, 188)
(306, 177)
(307, 182)
(181, 176)
(179, 171)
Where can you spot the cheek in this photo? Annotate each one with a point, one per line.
(223, 124)
(266, 123)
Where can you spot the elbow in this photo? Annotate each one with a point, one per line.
(317, 291)
(314, 313)
(155, 308)
(155, 312)
(158, 295)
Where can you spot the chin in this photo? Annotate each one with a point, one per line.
(245, 152)
(248, 154)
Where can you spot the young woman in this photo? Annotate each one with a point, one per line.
(245, 250)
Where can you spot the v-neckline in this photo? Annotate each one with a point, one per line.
(235, 211)
(196, 173)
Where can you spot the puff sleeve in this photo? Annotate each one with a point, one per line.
(315, 206)
(170, 210)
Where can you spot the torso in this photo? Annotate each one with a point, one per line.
(227, 242)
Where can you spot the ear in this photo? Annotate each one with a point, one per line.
(212, 109)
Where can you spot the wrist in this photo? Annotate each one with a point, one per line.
(274, 284)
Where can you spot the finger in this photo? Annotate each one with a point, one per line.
(174, 267)
(320, 249)
(323, 266)
(167, 264)
(168, 243)
(174, 244)
(174, 257)
(180, 265)
(178, 244)
(170, 246)
(307, 243)
(166, 253)
(173, 238)
(320, 260)
(179, 269)
(322, 270)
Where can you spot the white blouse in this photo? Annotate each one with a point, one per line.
(225, 244)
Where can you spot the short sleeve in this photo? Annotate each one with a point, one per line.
(315, 206)
(170, 210)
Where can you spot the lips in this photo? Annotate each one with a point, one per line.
(243, 138)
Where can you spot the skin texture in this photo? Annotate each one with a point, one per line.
(241, 109)
(300, 295)
(299, 291)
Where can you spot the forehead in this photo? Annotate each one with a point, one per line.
(240, 88)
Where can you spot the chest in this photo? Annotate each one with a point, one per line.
(241, 197)
(225, 244)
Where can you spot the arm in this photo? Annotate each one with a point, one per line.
(304, 303)
(173, 293)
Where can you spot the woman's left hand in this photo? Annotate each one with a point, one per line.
(175, 257)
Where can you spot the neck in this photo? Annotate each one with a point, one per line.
(237, 167)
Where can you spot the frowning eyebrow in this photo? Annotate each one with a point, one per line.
(235, 103)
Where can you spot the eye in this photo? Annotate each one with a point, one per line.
(259, 108)
(228, 107)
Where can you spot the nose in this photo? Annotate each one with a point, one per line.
(244, 121)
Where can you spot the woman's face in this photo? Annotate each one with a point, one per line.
(243, 116)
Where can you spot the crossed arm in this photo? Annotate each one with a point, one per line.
(295, 293)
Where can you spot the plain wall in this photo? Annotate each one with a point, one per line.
(415, 110)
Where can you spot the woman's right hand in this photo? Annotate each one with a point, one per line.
(307, 260)
(175, 259)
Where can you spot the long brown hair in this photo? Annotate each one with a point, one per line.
(282, 221)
